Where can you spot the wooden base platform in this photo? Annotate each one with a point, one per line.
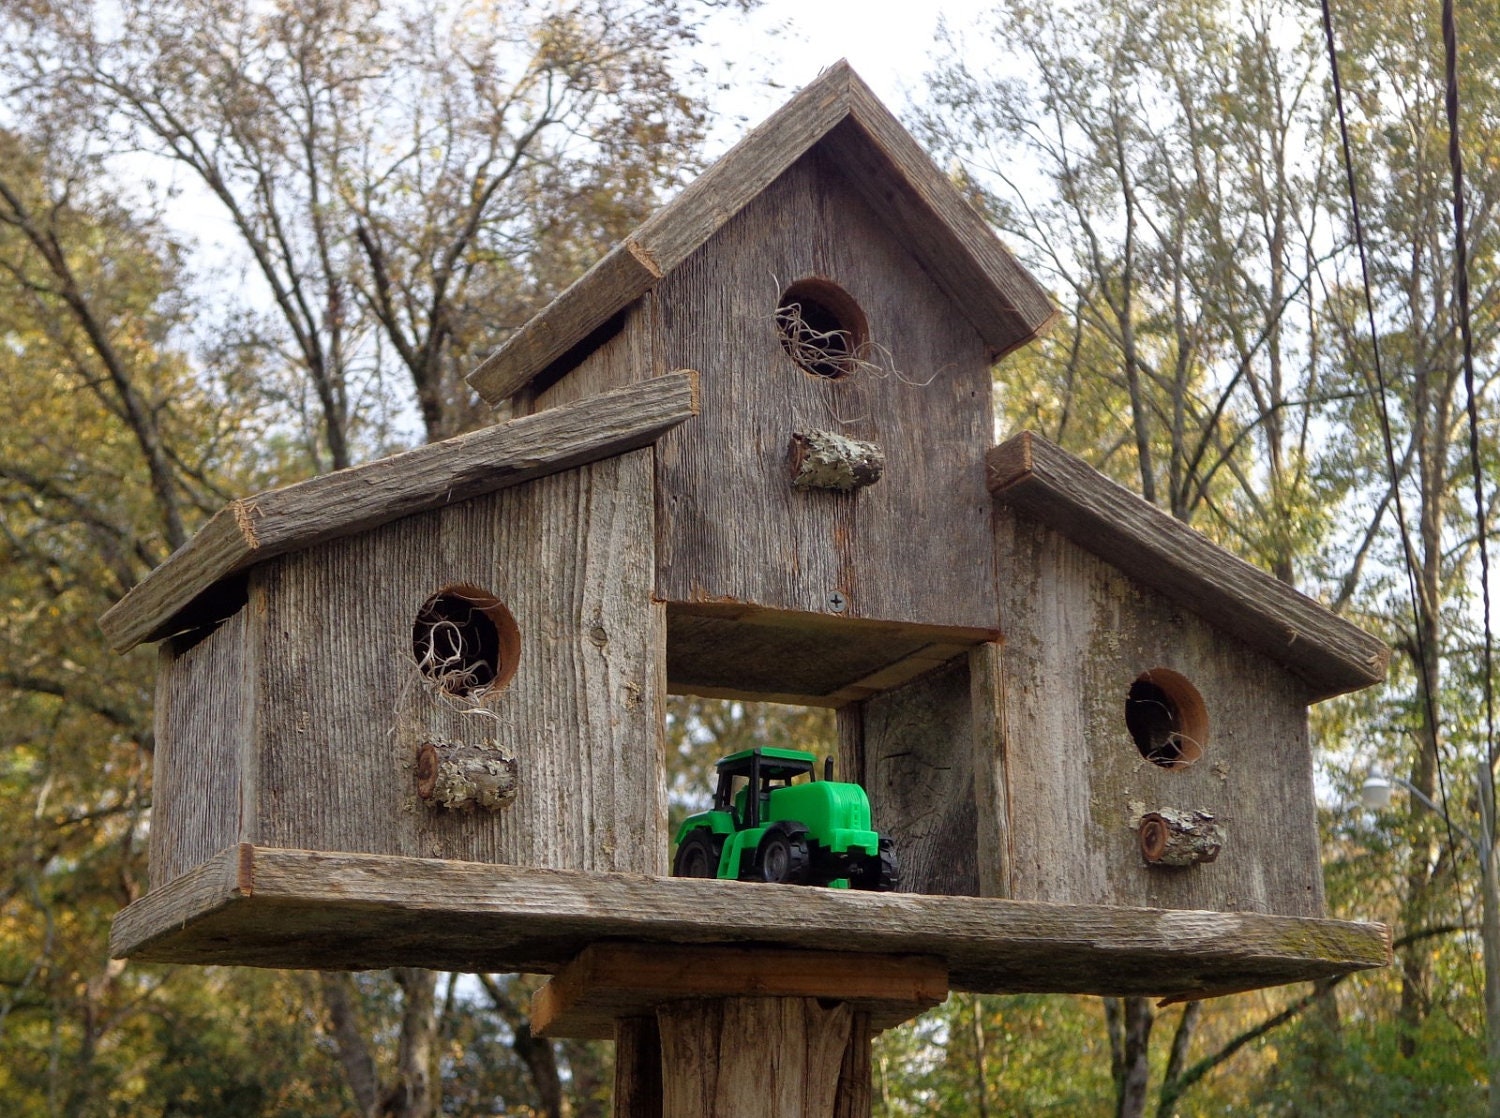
(613, 981)
(265, 907)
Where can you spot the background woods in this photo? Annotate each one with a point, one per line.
(241, 243)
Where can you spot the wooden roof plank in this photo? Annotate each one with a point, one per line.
(621, 277)
(1050, 485)
(937, 226)
(666, 238)
(294, 908)
(254, 529)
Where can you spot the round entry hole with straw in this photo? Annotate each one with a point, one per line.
(1166, 718)
(822, 328)
(466, 641)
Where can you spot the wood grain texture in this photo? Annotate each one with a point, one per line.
(992, 807)
(914, 547)
(856, 1074)
(344, 708)
(637, 1068)
(751, 1057)
(619, 278)
(1078, 634)
(956, 246)
(938, 227)
(205, 702)
(919, 772)
(286, 908)
(1047, 483)
(807, 659)
(629, 356)
(256, 529)
(611, 981)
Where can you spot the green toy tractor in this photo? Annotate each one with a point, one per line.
(765, 827)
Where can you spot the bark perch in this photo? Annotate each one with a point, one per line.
(824, 460)
(458, 776)
(1171, 837)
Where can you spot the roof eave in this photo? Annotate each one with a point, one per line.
(955, 245)
(1046, 483)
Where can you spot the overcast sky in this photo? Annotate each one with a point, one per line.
(888, 42)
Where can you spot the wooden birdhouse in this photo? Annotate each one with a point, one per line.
(412, 712)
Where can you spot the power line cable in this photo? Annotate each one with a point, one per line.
(1419, 640)
(1461, 288)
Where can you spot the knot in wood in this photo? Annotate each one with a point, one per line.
(463, 777)
(826, 460)
(1172, 837)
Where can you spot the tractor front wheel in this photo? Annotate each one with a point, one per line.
(697, 856)
(783, 857)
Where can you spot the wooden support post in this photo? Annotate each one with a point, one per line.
(737, 1031)
(752, 1057)
(855, 1087)
(637, 1067)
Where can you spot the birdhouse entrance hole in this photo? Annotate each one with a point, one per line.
(1166, 718)
(822, 328)
(466, 641)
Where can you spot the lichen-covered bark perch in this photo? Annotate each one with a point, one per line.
(458, 776)
(1172, 837)
(825, 460)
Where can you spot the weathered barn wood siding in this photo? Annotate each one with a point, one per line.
(919, 772)
(628, 356)
(205, 703)
(344, 707)
(915, 545)
(1078, 634)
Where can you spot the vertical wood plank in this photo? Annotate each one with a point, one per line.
(1078, 633)
(919, 768)
(345, 707)
(628, 356)
(203, 706)
(915, 546)
(637, 1068)
(849, 724)
(991, 785)
(855, 1087)
(752, 1057)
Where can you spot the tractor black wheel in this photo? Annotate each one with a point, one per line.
(698, 855)
(783, 857)
(881, 873)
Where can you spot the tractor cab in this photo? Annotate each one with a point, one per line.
(764, 770)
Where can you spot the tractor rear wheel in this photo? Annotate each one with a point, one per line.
(881, 873)
(783, 857)
(697, 856)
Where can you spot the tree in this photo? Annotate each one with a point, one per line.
(401, 185)
(404, 182)
(1171, 171)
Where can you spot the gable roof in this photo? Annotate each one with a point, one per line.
(179, 594)
(920, 206)
(1068, 495)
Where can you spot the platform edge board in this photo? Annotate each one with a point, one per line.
(258, 906)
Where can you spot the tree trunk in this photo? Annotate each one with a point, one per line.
(416, 1090)
(1130, 1021)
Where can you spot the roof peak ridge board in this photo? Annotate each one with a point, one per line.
(251, 530)
(1048, 484)
(929, 217)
